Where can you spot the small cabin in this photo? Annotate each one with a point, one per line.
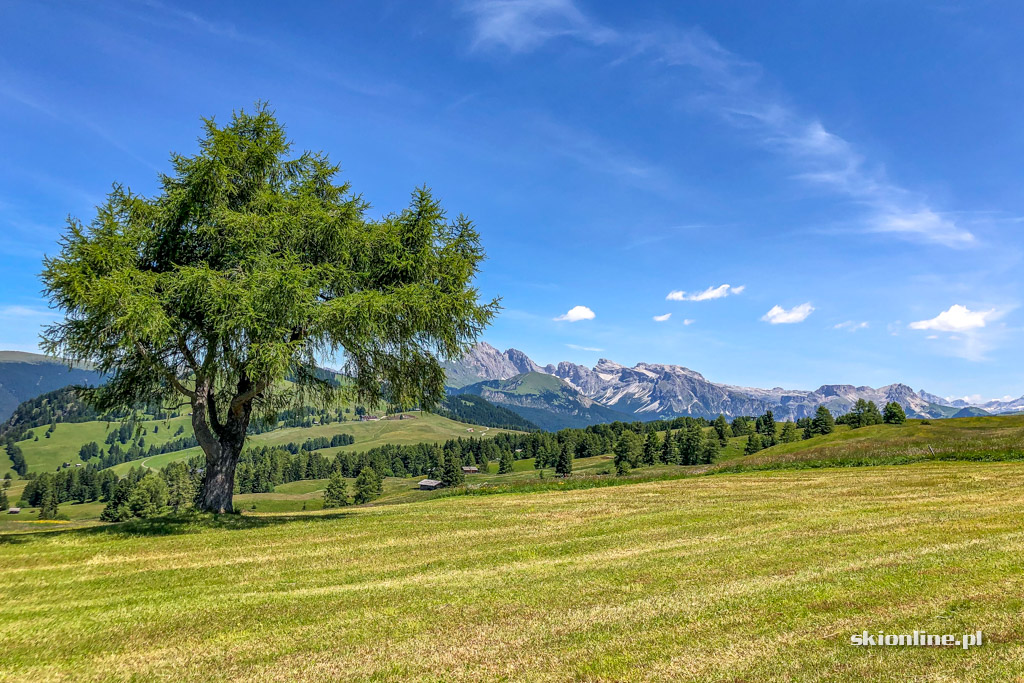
(13, 511)
(471, 470)
(430, 484)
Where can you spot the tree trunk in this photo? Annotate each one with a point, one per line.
(222, 445)
(219, 481)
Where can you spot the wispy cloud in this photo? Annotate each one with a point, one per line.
(25, 312)
(577, 347)
(576, 314)
(779, 315)
(662, 318)
(718, 292)
(735, 90)
(851, 326)
(688, 321)
(523, 25)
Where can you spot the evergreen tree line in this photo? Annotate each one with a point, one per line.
(72, 485)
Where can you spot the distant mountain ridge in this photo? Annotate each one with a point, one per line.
(545, 400)
(24, 376)
(651, 391)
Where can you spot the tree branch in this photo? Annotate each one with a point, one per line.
(167, 371)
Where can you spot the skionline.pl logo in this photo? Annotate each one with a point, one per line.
(919, 638)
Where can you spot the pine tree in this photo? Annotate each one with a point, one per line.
(563, 466)
(710, 452)
(894, 414)
(650, 452)
(740, 426)
(753, 444)
(336, 493)
(722, 429)
(505, 465)
(452, 474)
(369, 485)
(624, 451)
(48, 497)
(765, 426)
(823, 422)
(669, 454)
(871, 415)
(691, 444)
(149, 497)
(789, 433)
(4, 504)
(181, 490)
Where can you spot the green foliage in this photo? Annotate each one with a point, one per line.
(181, 486)
(789, 433)
(48, 498)
(506, 464)
(863, 414)
(740, 426)
(765, 427)
(452, 475)
(243, 269)
(369, 486)
(148, 498)
(823, 422)
(894, 414)
(336, 493)
(753, 444)
(669, 452)
(691, 444)
(563, 465)
(627, 451)
(722, 429)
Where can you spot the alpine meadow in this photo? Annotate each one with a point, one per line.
(715, 378)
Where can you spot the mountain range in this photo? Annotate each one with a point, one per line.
(571, 394)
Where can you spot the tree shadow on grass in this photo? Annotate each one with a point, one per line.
(173, 525)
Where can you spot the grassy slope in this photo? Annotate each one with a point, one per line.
(46, 455)
(758, 576)
(969, 438)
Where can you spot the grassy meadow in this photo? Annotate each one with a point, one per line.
(750, 576)
(46, 455)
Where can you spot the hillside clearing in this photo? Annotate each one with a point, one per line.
(759, 576)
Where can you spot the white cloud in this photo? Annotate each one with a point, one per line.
(956, 319)
(577, 313)
(851, 326)
(584, 348)
(688, 321)
(523, 25)
(719, 292)
(735, 90)
(779, 315)
(662, 318)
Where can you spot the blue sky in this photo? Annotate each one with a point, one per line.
(810, 192)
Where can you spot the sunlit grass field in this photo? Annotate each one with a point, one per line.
(754, 576)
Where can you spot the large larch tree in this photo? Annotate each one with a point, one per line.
(250, 265)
